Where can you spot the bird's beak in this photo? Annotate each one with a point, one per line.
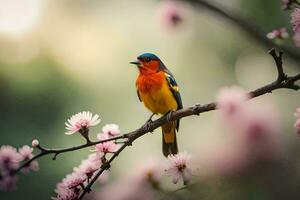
(137, 63)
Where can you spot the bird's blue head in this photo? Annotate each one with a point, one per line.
(148, 63)
(148, 56)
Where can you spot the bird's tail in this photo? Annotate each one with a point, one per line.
(169, 138)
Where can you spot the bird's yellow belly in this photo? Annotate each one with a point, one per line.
(159, 100)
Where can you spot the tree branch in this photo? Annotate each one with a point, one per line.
(282, 82)
(250, 29)
(56, 152)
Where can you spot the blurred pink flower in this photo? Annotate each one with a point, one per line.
(81, 121)
(280, 33)
(9, 158)
(89, 166)
(150, 171)
(106, 147)
(295, 19)
(126, 190)
(111, 130)
(297, 123)
(230, 100)
(73, 180)
(178, 167)
(26, 154)
(8, 183)
(230, 160)
(258, 132)
(255, 137)
(64, 193)
(171, 13)
(297, 113)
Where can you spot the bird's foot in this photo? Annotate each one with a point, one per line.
(148, 122)
(169, 115)
(150, 118)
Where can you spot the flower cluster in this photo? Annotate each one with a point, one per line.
(297, 123)
(106, 147)
(71, 186)
(10, 160)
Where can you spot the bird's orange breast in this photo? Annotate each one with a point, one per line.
(148, 82)
(155, 93)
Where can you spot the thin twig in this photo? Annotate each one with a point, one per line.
(56, 152)
(250, 28)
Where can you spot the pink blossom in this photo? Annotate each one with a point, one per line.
(111, 130)
(73, 180)
(297, 123)
(8, 183)
(81, 121)
(64, 193)
(295, 15)
(106, 147)
(9, 158)
(35, 143)
(26, 154)
(88, 166)
(230, 160)
(258, 131)
(178, 167)
(280, 33)
(149, 171)
(230, 100)
(171, 13)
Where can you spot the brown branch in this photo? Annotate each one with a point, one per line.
(283, 82)
(250, 28)
(56, 152)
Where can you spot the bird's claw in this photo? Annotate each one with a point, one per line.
(169, 115)
(150, 118)
(147, 126)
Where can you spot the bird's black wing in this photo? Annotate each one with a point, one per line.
(175, 91)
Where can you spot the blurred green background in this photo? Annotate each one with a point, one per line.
(60, 57)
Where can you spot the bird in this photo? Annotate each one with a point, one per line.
(159, 92)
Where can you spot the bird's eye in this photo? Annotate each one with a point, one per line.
(148, 59)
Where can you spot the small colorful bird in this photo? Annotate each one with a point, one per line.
(158, 90)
